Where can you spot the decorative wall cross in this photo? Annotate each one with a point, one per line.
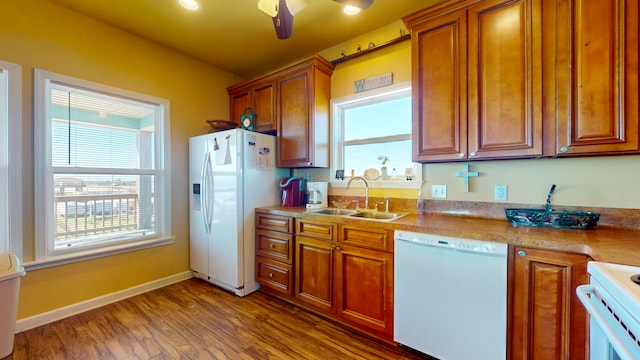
(465, 175)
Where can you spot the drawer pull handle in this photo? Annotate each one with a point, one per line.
(270, 275)
(271, 246)
(522, 253)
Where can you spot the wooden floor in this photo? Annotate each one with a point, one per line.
(195, 320)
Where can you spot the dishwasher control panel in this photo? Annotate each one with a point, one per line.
(452, 243)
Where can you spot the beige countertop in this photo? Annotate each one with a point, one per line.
(606, 244)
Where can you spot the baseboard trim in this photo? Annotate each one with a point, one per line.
(77, 308)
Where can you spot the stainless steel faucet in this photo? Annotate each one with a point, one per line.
(366, 189)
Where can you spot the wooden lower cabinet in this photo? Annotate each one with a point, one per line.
(344, 272)
(547, 320)
(314, 273)
(364, 288)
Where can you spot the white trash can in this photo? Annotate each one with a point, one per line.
(10, 272)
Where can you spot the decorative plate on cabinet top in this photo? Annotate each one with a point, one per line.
(372, 174)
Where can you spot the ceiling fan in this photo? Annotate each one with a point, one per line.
(282, 12)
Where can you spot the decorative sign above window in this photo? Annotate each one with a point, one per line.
(373, 82)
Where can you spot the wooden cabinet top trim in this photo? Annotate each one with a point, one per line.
(318, 61)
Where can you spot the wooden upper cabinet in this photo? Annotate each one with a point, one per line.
(260, 97)
(293, 103)
(264, 105)
(439, 83)
(477, 80)
(239, 100)
(505, 79)
(597, 76)
(303, 115)
(547, 319)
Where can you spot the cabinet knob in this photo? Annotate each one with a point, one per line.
(270, 275)
(336, 248)
(271, 246)
(472, 154)
(522, 253)
(564, 149)
(461, 155)
(309, 163)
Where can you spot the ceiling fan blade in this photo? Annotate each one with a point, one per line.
(362, 4)
(283, 21)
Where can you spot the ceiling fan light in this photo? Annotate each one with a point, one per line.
(350, 10)
(269, 7)
(191, 5)
(362, 4)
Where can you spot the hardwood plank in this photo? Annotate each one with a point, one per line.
(195, 320)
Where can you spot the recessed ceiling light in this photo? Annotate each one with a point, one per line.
(350, 10)
(192, 5)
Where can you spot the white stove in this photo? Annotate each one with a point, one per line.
(613, 301)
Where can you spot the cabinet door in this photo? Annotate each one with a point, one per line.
(239, 100)
(264, 105)
(294, 114)
(364, 288)
(505, 79)
(597, 78)
(314, 273)
(547, 318)
(439, 63)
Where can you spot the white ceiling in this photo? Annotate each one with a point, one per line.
(235, 35)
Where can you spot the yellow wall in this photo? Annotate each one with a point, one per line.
(40, 34)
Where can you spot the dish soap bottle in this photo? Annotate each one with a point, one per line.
(421, 197)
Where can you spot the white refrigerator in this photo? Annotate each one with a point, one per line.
(231, 173)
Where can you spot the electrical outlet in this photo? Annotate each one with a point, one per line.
(439, 191)
(501, 192)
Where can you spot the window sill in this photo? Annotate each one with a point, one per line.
(388, 184)
(97, 253)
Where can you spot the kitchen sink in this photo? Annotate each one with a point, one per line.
(369, 215)
(377, 215)
(332, 211)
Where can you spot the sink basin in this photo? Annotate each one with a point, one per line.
(332, 211)
(377, 215)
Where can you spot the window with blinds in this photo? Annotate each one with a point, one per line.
(4, 160)
(10, 159)
(104, 171)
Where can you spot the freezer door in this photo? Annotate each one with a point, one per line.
(199, 248)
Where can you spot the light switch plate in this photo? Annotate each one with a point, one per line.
(501, 193)
(439, 191)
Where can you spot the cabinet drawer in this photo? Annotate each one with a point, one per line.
(274, 275)
(316, 229)
(274, 222)
(274, 245)
(379, 239)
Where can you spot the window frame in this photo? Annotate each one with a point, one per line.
(338, 106)
(45, 255)
(13, 242)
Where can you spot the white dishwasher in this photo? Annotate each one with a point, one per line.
(450, 296)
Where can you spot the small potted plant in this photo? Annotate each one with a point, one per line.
(383, 170)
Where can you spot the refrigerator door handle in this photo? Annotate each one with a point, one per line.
(207, 182)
